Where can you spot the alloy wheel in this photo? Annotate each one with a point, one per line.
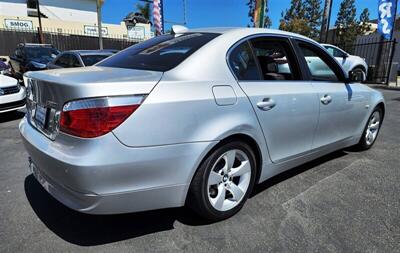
(373, 128)
(229, 180)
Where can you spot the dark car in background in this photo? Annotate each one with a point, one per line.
(4, 67)
(31, 57)
(135, 17)
(79, 58)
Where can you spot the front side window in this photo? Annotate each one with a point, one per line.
(335, 52)
(161, 53)
(321, 69)
(276, 59)
(243, 64)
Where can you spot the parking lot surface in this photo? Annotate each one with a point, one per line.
(344, 202)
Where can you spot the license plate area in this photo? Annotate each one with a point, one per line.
(40, 115)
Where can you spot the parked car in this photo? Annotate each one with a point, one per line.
(195, 117)
(12, 95)
(349, 62)
(136, 17)
(31, 57)
(78, 58)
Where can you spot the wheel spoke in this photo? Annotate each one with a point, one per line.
(229, 159)
(374, 126)
(369, 136)
(214, 178)
(236, 192)
(218, 202)
(241, 170)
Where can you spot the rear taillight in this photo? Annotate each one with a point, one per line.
(94, 117)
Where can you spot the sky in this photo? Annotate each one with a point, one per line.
(211, 13)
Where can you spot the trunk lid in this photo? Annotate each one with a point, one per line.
(48, 91)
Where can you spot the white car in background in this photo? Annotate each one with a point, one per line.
(349, 62)
(12, 94)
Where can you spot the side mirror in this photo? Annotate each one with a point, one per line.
(356, 77)
(345, 56)
(3, 59)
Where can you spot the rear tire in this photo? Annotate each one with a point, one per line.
(371, 130)
(223, 181)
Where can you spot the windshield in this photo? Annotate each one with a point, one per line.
(161, 53)
(90, 60)
(40, 52)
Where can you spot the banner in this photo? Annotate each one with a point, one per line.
(258, 15)
(387, 14)
(158, 16)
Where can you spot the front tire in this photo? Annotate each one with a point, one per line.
(371, 130)
(223, 181)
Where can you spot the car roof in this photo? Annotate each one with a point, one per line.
(249, 30)
(90, 52)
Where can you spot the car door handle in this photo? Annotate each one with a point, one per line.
(326, 99)
(266, 104)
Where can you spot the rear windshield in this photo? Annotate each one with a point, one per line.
(161, 53)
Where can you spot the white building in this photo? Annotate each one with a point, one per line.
(62, 10)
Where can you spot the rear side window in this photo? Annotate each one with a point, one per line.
(275, 58)
(161, 53)
(242, 63)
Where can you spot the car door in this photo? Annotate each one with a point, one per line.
(341, 104)
(286, 106)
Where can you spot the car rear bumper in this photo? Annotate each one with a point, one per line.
(102, 176)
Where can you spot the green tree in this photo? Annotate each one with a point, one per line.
(313, 16)
(346, 22)
(144, 9)
(252, 6)
(364, 26)
(293, 19)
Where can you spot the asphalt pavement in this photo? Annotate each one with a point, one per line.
(346, 201)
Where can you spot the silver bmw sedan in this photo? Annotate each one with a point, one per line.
(196, 117)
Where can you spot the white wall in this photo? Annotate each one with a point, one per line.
(68, 10)
(13, 8)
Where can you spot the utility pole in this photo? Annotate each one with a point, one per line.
(100, 29)
(41, 38)
(325, 21)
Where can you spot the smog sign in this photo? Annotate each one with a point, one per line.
(93, 30)
(18, 24)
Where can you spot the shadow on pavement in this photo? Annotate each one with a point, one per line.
(89, 230)
(10, 116)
